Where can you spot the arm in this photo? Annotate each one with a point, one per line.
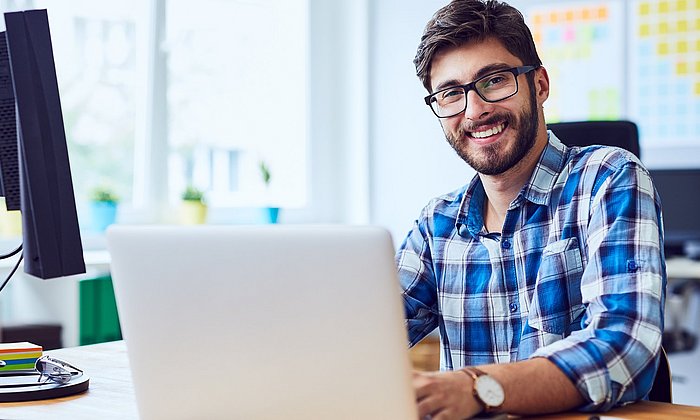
(613, 359)
(528, 388)
(414, 262)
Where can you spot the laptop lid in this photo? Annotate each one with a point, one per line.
(258, 322)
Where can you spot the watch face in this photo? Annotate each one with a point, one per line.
(489, 391)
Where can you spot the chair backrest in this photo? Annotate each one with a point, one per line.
(623, 134)
(661, 389)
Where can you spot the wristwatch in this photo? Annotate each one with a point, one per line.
(486, 389)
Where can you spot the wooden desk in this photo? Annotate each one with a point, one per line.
(111, 394)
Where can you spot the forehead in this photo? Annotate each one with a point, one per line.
(461, 64)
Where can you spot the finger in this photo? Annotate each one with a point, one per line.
(429, 406)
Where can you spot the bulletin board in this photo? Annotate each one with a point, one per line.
(664, 46)
(623, 59)
(573, 39)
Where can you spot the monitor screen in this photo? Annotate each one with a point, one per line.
(35, 154)
(680, 198)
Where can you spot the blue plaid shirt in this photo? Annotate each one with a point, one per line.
(577, 274)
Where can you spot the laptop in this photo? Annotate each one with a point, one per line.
(262, 322)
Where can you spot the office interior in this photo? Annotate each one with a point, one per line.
(348, 138)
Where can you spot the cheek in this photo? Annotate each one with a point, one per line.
(450, 125)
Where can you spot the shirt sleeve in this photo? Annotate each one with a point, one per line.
(612, 360)
(418, 283)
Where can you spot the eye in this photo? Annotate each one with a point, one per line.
(495, 80)
(450, 95)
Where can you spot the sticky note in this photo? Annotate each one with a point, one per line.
(644, 8)
(19, 356)
(644, 29)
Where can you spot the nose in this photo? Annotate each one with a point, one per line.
(476, 108)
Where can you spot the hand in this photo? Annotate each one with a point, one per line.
(445, 395)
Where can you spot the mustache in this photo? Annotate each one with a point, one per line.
(469, 127)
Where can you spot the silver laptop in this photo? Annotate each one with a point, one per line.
(266, 322)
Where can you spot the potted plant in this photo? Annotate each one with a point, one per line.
(271, 213)
(193, 209)
(103, 207)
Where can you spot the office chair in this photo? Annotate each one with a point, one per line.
(661, 389)
(623, 134)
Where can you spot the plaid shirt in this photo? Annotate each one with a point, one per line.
(577, 275)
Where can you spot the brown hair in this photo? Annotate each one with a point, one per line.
(463, 21)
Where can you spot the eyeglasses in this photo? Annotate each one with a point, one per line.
(492, 87)
(55, 370)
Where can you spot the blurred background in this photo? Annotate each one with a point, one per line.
(309, 111)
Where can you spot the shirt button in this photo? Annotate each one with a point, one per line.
(513, 307)
(506, 244)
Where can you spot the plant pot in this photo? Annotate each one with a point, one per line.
(271, 214)
(103, 214)
(192, 212)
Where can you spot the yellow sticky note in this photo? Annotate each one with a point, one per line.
(697, 67)
(663, 28)
(662, 48)
(681, 5)
(682, 26)
(682, 47)
(644, 29)
(682, 68)
(697, 88)
(697, 45)
(664, 7)
(644, 8)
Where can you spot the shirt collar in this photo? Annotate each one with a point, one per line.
(537, 190)
(546, 173)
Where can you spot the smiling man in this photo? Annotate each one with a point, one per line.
(546, 270)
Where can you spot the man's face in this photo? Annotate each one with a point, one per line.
(490, 137)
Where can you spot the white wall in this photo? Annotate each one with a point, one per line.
(410, 160)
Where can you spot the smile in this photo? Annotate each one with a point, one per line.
(488, 132)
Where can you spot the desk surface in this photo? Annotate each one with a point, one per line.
(111, 393)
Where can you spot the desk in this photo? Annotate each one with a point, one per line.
(111, 393)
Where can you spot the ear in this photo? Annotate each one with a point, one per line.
(541, 85)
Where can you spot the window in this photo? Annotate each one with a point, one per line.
(232, 75)
(236, 97)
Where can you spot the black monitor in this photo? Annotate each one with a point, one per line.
(34, 166)
(680, 199)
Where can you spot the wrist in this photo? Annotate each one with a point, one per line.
(486, 390)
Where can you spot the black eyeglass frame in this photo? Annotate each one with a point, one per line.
(517, 71)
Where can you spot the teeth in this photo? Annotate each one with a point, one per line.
(490, 132)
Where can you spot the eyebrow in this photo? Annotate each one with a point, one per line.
(491, 68)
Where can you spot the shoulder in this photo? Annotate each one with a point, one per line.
(600, 165)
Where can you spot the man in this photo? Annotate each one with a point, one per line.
(547, 269)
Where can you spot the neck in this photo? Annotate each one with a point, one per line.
(503, 188)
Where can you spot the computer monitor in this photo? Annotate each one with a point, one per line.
(680, 199)
(36, 177)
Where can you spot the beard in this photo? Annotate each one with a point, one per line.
(495, 159)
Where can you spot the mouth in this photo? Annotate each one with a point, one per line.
(486, 133)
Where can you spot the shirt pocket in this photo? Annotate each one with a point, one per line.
(556, 300)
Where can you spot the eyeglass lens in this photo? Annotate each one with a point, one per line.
(53, 370)
(492, 88)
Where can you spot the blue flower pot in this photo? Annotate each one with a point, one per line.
(103, 214)
(272, 214)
